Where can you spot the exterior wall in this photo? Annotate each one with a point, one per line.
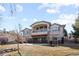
(26, 33)
(61, 31)
(56, 31)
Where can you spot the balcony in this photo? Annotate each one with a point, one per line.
(40, 32)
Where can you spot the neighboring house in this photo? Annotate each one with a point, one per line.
(3, 39)
(26, 33)
(8, 37)
(0, 31)
(43, 32)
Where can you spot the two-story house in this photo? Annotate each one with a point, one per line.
(43, 32)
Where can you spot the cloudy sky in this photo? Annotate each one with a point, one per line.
(28, 13)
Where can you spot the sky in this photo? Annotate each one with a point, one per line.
(28, 13)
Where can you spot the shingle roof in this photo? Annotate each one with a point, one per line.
(58, 24)
(41, 21)
(25, 29)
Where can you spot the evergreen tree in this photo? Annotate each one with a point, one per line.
(76, 28)
(65, 32)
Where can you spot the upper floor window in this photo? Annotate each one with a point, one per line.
(55, 28)
(26, 32)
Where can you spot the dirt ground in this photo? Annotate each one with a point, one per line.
(40, 50)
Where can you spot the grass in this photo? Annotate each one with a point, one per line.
(37, 50)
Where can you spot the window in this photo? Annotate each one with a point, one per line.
(41, 27)
(27, 32)
(55, 28)
(36, 28)
(45, 27)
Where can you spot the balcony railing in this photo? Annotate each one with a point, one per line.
(39, 32)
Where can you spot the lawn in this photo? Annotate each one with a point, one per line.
(38, 50)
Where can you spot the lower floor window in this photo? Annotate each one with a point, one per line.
(40, 40)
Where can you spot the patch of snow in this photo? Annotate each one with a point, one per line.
(29, 44)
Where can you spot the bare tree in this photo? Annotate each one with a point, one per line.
(18, 37)
(13, 11)
(18, 46)
(1, 18)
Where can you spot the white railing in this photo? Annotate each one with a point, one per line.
(39, 33)
(41, 30)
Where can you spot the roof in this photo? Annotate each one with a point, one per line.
(3, 37)
(58, 24)
(41, 21)
(25, 29)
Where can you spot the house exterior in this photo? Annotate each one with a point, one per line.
(44, 32)
(26, 33)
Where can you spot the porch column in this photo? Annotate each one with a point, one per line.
(47, 27)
